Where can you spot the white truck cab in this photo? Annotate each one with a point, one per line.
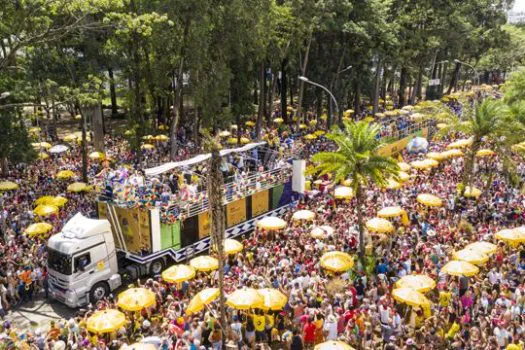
(82, 262)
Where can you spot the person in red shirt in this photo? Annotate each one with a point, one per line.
(309, 332)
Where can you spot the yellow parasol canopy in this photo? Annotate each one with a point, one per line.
(322, 232)
(303, 126)
(38, 228)
(441, 125)
(136, 299)
(43, 155)
(278, 120)
(225, 133)
(310, 137)
(244, 299)
(106, 321)
(77, 187)
(343, 192)
(139, 346)
(8, 186)
(45, 145)
(460, 268)
(436, 156)
(319, 133)
(461, 143)
(472, 256)
(410, 297)
(147, 146)
(204, 263)
(337, 261)
(392, 184)
(485, 153)
(424, 164)
(65, 174)
(250, 123)
(482, 246)
(511, 236)
(232, 246)
(44, 200)
(472, 192)
(429, 200)
(271, 223)
(333, 345)
(306, 215)
(379, 225)
(178, 273)
(404, 166)
(161, 138)
(453, 153)
(97, 156)
(58, 201)
(403, 176)
(45, 210)
(273, 299)
(201, 299)
(421, 283)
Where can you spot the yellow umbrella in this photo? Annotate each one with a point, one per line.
(403, 176)
(136, 299)
(404, 166)
(139, 346)
(460, 268)
(232, 141)
(392, 184)
(343, 192)
(511, 236)
(65, 174)
(250, 124)
(273, 299)
(148, 137)
(303, 126)
(310, 137)
(322, 232)
(204, 263)
(306, 215)
(44, 200)
(472, 192)
(472, 256)
(435, 155)
(245, 140)
(58, 201)
(147, 146)
(43, 155)
(162, 138)
(45, 210)
(38, 228)
(8, 186)
(441, 126)
(178, 273)
(421, 283)
(45, 145)
(453, 153)
(392, 212)
(333, 345)
(201, 299)
(461, 143)
(35, 130)
(484, 247)
(424, 164)
(278, 120)
(244, 299)
(232, 246)
(319, 133)
(379, 225)
(225, 133)
(429, 200)
(271, 223)
(77, 187)
(97, 156)
(485, 153)
(106, 321)
(410, 297)
(337, 261)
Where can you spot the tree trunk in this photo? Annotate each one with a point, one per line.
(97, 127)
(260, 112)
(468, 168)
(112, 93)
(215, 186)
(402, 86)
(291, 84)
(377, 86)
(284, 111)
(360, 209)
(454, 78)
(416, 92)
(5, 166)
(273, 87)
(304, 65)
(83, 144)
(357, 99)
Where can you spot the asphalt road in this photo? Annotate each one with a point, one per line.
(38, 313)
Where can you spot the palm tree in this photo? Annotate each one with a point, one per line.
(488, 122)
(357, 159)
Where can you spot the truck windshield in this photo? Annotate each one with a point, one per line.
(59, 262)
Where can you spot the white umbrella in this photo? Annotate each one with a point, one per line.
(58, 149)
(417, 144)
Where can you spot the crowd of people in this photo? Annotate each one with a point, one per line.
(357, 307)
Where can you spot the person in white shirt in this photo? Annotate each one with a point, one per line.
(330, 327)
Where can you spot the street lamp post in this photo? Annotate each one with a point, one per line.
(468, 65)
(306, 80)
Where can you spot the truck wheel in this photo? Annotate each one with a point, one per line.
(98, 291)
(156, 267)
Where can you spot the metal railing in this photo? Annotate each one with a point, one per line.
(411, 128)
(233, 191)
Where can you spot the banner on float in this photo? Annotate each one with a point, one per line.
(204, 224)
(260, 203)
(236, 212)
